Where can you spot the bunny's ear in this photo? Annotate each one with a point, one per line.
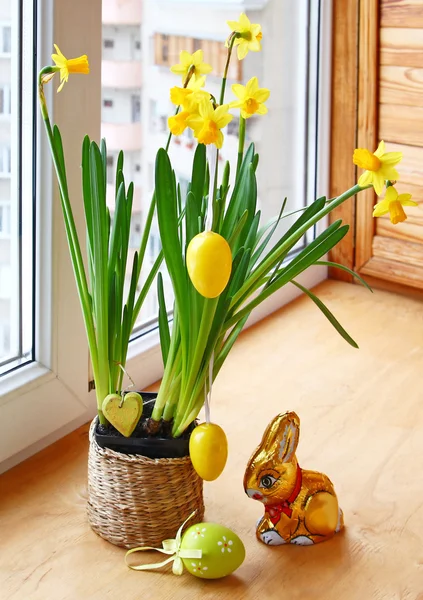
(289, 432)
(280, 439)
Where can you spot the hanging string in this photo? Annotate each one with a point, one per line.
(128, 387)
(212, 153)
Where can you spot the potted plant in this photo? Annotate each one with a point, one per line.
(110, 311)
(221, 266)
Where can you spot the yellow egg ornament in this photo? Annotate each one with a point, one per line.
(208, 449)
(209, 263)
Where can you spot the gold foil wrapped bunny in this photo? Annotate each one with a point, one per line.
(300, 507)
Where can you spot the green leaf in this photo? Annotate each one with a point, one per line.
(239, 271)
(60, 155)
(88, 209)
(168, 227)
(239, 200)
(315, 250)
(199, 174)
(100, 256)
(119, 172)
(115, 242)
(103, 152)
(233, 240)
(272, 226)
(306, 258)
(329, 263)
(331, 318)
(163, 320)
(229, 342)
(191, 217)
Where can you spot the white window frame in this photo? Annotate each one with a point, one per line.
(53, 392)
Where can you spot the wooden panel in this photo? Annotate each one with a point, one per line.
(410, 230)
(401, 124)
(415, 190)
(401, 13)
(390, 286)
(391, 270)
(401, 85)
(411, 166)
(343, 122)
(368, 83)
(398, 250)
(401, 47)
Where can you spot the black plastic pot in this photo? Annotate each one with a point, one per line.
(139, 443)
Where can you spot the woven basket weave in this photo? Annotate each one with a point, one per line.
(138, 501)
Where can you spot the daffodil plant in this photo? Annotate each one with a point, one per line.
(222, 261)
(109, 316)
(213, 301)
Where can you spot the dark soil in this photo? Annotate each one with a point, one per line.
(146, 427)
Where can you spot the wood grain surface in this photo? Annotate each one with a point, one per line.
(361, 423)
(401, 13)
(402, 124)
(401, 47)
(344, 125)
(401, 85)
(367, 119)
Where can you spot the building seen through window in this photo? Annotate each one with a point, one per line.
(143, 39)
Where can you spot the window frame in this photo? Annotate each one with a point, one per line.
(54, 392)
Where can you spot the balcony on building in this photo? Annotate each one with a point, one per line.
(122, 136)
(119, 74)
(122, 12)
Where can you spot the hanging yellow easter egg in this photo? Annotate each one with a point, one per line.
(208, 449)
(209, 263)
(222, 552)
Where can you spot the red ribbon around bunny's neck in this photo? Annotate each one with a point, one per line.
(275, 510)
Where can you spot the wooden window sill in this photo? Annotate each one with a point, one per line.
(362, 424)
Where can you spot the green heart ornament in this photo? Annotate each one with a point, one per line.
(123, 413)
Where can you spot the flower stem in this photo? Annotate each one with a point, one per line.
(225, 72)
(241, 142)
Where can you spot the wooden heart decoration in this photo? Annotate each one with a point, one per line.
(123, 415)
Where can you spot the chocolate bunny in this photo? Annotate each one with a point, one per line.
(300, 507)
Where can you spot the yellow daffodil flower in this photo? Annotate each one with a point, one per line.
(194, 61)
(178, 123)
(379, 166)
(72, 65)
(251, 98)
(393, 203)
(208, 123)
(249, 38)
(191, 95)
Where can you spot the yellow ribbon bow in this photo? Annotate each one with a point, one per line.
(172, 547)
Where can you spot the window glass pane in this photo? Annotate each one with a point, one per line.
(16, 183)
(285, 138)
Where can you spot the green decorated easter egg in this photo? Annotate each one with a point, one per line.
(222, 550)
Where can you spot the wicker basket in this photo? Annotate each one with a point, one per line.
(138, 501)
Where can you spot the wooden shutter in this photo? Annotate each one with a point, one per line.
(389, 47)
